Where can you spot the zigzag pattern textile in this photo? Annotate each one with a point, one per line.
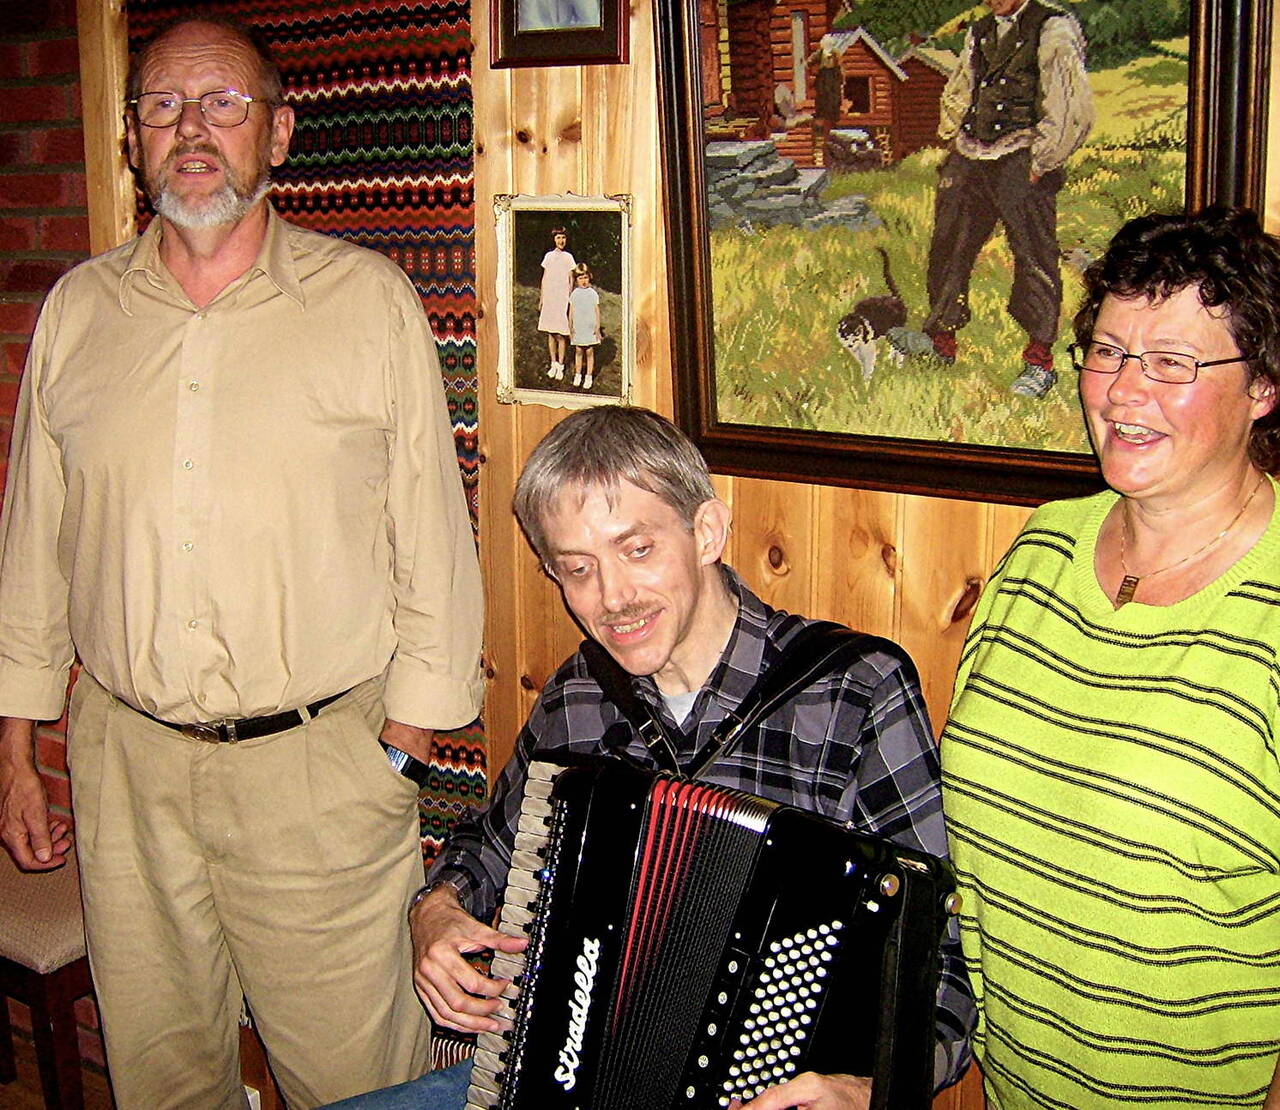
(382, 157)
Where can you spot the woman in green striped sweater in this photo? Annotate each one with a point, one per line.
(1110, 767)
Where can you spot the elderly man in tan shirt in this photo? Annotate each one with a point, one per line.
(233, 491)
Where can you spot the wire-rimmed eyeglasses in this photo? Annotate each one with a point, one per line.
(221, 108)
(1160, 366)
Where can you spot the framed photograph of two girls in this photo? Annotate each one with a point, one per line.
(565, 328)
(879, 212)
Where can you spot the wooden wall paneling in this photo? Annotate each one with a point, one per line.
(547, 632)
(1006, 522)
(546, 124)
(941, 556)
(500, 540)
(775, 546)
(856, 559)
(502, 549)
(620, 134)
(967, 1094)
(104, 63)
(1273, 141)
(726, 490)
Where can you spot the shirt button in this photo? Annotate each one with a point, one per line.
(187, 464)
(194, 387)
(193, 624)
(188, 546)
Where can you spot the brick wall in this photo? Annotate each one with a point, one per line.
(44, 225)
(44, 231)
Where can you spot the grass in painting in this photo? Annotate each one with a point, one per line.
(779, 292)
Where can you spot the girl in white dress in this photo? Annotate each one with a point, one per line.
(553, 301)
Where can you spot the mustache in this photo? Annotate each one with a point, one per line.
(204, 150)
(625, 616)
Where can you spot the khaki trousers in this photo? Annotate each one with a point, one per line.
(278, 868)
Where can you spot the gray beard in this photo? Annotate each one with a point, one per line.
(226, 206)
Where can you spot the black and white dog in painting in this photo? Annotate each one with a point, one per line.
(871, 319)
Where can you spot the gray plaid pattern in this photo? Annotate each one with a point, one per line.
(854, 747)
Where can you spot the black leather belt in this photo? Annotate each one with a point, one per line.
(247, 728)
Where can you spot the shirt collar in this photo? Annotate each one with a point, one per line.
(275, 261)
(1012, 17)
(741, 662)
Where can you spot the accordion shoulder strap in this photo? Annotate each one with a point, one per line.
(817, 650)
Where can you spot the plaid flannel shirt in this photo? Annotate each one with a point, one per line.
(855, 746)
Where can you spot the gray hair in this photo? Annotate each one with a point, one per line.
(603, 447)
(272, 90)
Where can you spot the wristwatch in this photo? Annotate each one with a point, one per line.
(414, 770)
(444, 880)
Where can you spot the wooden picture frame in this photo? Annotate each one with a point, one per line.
(558, 32)
(546, 239)
(1228, 47)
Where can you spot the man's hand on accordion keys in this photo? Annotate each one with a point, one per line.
(810, 1091)
(456, 993)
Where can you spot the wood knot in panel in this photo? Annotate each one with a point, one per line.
(523, 136)
(777, 559)
(572, 133)
(526, 683)
(889, 556)
(968, 599)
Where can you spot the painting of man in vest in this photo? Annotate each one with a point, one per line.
(1015, 108)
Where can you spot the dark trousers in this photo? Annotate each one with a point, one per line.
(972, 196)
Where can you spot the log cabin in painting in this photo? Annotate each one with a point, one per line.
(761, 66)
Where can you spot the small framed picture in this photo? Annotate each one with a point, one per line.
(557, 32)
(565, 328)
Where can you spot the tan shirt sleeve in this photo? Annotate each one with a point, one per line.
(35, 646)
(434, 677)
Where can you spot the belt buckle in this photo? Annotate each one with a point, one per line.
(212, 733)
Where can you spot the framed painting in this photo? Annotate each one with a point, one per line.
(557, 32)
(858, 296)
(565, 325)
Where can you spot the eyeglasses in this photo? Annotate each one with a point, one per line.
(1159, 366)
(221, 108)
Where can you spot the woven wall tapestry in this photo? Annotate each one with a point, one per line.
(382, 156)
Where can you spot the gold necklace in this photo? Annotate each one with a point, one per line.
(1129, 584)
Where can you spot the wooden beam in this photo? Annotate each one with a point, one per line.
(104, 61)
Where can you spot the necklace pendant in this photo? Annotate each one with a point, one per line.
(1128, 587)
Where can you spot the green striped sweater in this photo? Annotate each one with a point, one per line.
(1112, 792)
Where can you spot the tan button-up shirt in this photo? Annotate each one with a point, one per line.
(237, 509)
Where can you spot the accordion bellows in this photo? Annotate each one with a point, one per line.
(690, 945)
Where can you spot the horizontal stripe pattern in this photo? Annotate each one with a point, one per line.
(1113, 808)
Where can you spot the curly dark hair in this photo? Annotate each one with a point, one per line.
(1232, 262)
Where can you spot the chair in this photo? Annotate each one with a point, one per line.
(43, 964)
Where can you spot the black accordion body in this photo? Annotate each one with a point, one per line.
(690, 944)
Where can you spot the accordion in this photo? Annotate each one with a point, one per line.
(690, 945)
